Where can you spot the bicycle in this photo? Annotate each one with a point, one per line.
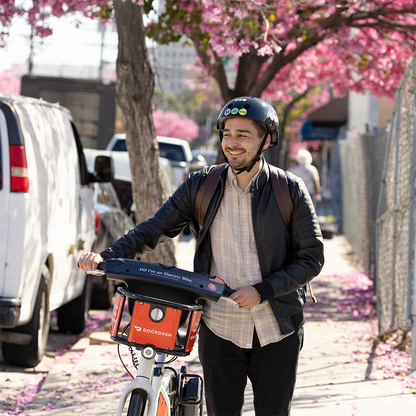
(165, 316)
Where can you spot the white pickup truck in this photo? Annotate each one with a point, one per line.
(46, 222)
(177, 151)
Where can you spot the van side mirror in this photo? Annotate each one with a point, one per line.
(103, 169)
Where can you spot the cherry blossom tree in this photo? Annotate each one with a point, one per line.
(170, 124)
(292, 43)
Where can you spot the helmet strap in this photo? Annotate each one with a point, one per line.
(255, 160)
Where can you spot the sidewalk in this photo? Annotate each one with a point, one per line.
(334, 375)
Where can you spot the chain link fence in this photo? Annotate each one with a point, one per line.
(378, 173)
(395, 240)
(362, 160)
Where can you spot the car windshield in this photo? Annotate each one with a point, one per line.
(172, 152)
(120, 146)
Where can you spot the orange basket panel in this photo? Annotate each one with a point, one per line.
(196, 318)
(117, 312)
(143, 330)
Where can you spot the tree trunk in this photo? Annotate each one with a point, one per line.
(134, 90)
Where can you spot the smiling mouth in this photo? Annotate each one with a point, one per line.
(235, 152)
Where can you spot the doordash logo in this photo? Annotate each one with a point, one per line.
(153, 331)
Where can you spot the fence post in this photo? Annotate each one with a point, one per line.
(413, 273)
(395, 202)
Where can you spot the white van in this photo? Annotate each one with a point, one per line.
(177, 151)
(46, 222)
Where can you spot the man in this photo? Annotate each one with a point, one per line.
(243, 240)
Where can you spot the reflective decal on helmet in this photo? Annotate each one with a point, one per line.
(234, 111)
(269, 123)
(227, 111)
(242, 112)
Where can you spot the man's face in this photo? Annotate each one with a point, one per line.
(241, 141)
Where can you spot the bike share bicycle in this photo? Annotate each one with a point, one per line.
(164, 322)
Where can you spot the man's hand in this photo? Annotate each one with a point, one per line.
(246, 297)
(89, 261)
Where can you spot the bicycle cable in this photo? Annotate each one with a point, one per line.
(134, 358)
(168, 362)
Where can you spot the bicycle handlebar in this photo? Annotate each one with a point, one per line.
(160, 281)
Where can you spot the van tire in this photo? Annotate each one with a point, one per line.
(30, 355)
(73, 316)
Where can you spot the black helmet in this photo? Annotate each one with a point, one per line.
(255, 109)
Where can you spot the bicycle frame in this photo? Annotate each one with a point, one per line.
(150, 318)
(153, 385)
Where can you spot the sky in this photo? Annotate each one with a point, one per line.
(68, 45)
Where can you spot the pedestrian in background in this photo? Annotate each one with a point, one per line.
(244, 240)
(309, 174)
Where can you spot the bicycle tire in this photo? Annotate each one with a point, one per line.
(137, 403)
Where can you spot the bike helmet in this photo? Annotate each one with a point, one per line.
(255, 109)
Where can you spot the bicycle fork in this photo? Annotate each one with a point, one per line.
(150, 382)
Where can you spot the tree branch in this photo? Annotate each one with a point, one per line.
(216, 66)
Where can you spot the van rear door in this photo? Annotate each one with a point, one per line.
(4, 196)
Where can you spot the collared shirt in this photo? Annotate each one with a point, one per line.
(235, 260)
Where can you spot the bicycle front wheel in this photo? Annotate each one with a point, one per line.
(137, 403)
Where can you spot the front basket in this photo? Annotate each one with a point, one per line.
(169, 327)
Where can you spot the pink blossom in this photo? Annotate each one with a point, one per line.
(170, 124)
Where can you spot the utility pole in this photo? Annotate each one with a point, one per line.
(102, 29)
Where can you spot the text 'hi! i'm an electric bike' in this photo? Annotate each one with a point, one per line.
(164, 321)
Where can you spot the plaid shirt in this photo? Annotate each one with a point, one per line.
(235, 260)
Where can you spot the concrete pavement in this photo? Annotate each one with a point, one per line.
(335, 375)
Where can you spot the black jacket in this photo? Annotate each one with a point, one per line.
(288, 260)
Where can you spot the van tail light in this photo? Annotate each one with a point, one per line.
(19, 179)
(97, 218)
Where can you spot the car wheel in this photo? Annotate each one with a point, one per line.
(38, 327)
(73, 316)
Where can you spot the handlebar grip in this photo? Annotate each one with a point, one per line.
(101, 265)
(227, 290)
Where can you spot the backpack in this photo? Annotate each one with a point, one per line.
(280, 189)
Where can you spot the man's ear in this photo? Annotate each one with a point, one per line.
(267, 143)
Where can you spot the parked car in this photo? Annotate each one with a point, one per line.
(46, 223)
(122, 176)
(176, 150)
(209, 155)
(111, 223)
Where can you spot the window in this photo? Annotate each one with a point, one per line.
(120, 146)
(102, 196)
(172, 152)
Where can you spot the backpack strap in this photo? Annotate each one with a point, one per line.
(281, 194)
(284, 202)
(206, 192)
